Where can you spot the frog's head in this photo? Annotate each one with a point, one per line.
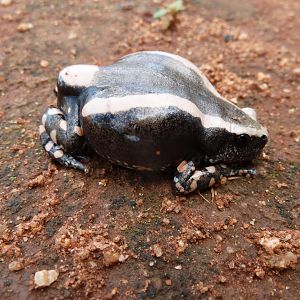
(73, 79)
(231, 147)
(241, 139)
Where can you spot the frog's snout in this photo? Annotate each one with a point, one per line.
(264, 138)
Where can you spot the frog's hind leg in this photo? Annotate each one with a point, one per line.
(60, 137)
(187, 179)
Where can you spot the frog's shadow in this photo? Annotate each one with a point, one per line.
(132, 177)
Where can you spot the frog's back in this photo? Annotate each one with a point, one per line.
(154, 107)
(155, 72)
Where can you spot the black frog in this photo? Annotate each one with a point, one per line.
(151, 110)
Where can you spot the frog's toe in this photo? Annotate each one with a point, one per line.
(208, 177)
(185, 169)
(197, 180)
(57, 153)
(182, 177)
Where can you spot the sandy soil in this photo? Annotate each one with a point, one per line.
(119, 234)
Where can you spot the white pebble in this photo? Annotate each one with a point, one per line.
(45, 278)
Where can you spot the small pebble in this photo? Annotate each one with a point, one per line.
(45, 278)
(219, 238)
(246, 225)
(222, 279)
(243, 36)
(157, 250)
(296, 71)
(122, 258)
(262, 76)
(23, 27)
(166, 221)
(229, 250)
(228, 38)
(103, 182)
(110, 258)
(260, 273)
(15, 266)
(6, 2)
(168, 282)
(252, 222)
(72, 35)
(232, 221)
(179, 267)
(44, 63)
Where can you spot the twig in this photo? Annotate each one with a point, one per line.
(203, 197)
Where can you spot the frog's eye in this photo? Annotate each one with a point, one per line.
(243, 139)
(264, 138)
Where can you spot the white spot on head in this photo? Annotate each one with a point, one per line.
(120, 104)
(63, 125)
(48, 146)
(44, 118)
(53, 136)
(157, 152)
(78, 130)
(58, 154)
(41, 129)
(78, 75)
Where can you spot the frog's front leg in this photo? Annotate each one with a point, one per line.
(187, 179)
(61, 134)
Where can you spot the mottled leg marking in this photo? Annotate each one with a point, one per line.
(60, 136)
(187, 179)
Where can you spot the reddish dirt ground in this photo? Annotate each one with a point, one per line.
(123, 234)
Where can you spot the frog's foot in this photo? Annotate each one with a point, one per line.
(187, 180)
(57, 136)
(185, 171)
(57, 153)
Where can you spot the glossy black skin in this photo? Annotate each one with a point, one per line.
(151, 138)
(172, 132)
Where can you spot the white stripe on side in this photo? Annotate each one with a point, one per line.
(120, 104)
